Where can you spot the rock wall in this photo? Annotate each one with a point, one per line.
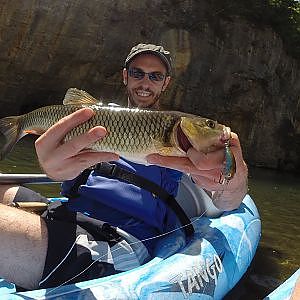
(225, 67)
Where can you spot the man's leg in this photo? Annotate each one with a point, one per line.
(23, 247)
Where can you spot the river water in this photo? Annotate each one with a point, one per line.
(277, 196)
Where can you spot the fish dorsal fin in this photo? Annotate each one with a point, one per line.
(79, 97)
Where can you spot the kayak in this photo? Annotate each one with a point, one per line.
(285, 290)
(208, 266)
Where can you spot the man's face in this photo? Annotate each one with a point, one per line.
(142, 91)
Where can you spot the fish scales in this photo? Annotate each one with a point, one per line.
(43, 118)
(130, 131)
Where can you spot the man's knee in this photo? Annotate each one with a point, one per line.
(8, 193)
(24, 194)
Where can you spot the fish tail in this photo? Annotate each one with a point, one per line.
(11, 129)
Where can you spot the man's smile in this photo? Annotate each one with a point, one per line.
(143, 93)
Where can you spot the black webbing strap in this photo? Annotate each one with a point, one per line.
(113, 171)
(81, 179)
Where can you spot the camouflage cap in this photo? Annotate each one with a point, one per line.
(159, 51)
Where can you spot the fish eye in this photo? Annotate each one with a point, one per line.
(210, 123)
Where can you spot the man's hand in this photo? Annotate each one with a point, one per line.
(65, 161)
(206, 169)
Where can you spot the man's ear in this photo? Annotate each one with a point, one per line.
(125, 76)
(166, 83)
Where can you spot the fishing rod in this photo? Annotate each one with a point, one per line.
(25, 178)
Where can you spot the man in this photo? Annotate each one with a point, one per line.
(56, 248)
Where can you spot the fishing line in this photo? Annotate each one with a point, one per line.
(132, 243)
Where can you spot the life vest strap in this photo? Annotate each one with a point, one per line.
(110, 170)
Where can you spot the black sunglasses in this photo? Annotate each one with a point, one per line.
(140, 74)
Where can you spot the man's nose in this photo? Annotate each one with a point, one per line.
(146, 82)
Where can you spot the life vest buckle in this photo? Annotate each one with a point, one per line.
(109, 170)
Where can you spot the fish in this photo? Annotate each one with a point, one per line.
(133, 133)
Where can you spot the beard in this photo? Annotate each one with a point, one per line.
(134, 100)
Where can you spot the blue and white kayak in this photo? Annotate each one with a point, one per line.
(207, 267)
(285, 290)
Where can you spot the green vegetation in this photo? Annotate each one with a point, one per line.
(285, 18)
(282, 15)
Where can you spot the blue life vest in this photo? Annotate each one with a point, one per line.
(127, 206)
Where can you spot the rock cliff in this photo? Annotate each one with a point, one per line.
(225, 66)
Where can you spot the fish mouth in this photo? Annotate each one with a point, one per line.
(182, 140)
(226, 136)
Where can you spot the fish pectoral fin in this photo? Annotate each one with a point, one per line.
(34, 131)
(75, 96)
(165, 150)
(155, 145)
